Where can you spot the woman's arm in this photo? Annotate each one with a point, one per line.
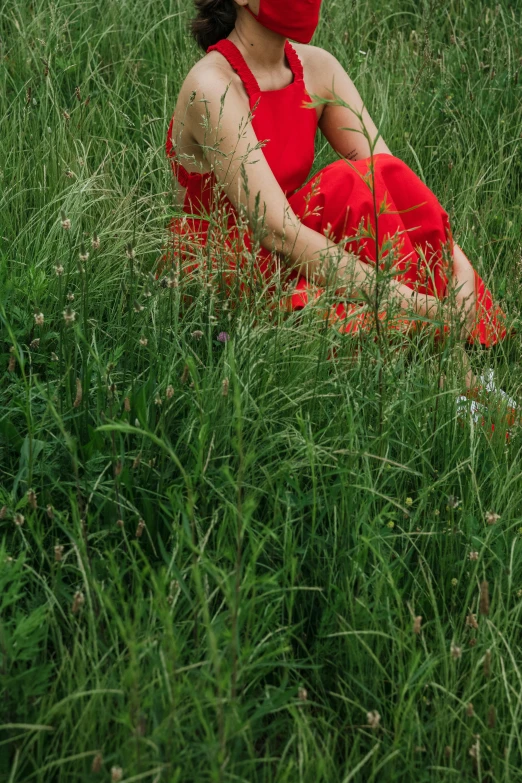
(330, 80)
(219, 122)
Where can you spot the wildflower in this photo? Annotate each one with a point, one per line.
(436, 513)
(473, 555)
(373, 719)
(185, 374)
(487, 663)
(197, 335)
(471, 621)
(58, 552)
(137, 460)
(12, 364)
(454, 582)
(34, 344)
(169, 392)
(455, 652)
(470, 712)
(120, 523)
(77, 93)
(127, 404)
(54, 357)
(116, 774)
(144, 341)
(59, 270)
(78, 602)
(19, 519)
(484, 598)
(223, 337)
(69, 315)
(390, 524)
(158, 401)
(491, 517)
(224, 387)
(302, 694)
(474, 751)
(50, 511)
(172, 281)
(409, 501)
(66, 223)
(39, 319)
(69, 173)
(139, 529)
(79, 394)
(66, 115)
(417, 624)
(138, 307)
(84, 253)
(97, 763)
(31, 498)
(491, 716)
(70, 296)
(129, 251)
(95, 241)
(453, 502)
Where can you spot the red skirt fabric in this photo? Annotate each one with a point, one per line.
(339, 202)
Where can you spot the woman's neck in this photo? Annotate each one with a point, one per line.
(264, 49)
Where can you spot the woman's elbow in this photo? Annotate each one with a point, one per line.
(280, 239)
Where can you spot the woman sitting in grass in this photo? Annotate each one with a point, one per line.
(245, 126)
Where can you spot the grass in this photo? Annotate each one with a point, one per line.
(212, 554)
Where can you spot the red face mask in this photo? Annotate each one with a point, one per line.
(295, 19)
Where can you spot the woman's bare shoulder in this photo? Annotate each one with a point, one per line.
(319, 65)
(209, 78)
(314, 55)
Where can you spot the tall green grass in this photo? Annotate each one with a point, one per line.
(212, 554)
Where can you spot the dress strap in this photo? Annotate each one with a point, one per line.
(294, 62)
(231, 53)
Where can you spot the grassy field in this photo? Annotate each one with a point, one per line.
(212, 554)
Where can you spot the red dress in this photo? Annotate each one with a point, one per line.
(337, 201)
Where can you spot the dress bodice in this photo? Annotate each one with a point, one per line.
(280, 118)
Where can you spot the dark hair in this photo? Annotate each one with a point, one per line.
(215, 20)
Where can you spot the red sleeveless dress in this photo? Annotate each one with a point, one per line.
(337, 201)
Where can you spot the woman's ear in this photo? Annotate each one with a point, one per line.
(252, 4)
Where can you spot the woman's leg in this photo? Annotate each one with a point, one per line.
(463, 283)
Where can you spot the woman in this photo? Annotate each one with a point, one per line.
(244, 127)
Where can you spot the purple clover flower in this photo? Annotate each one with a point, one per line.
(223, 337)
